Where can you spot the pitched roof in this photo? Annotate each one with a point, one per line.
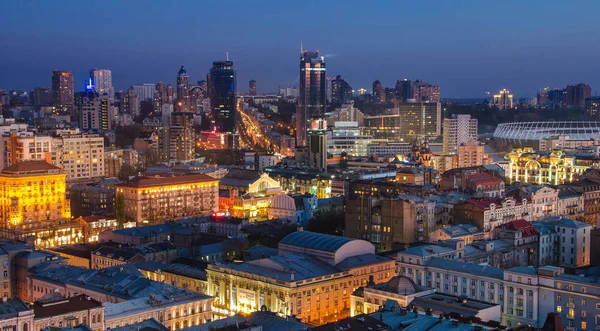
(66, 306)
(522, 225)
(469, 268)
(240, 177)
(484, 179)
(145, 181)
(27, 167)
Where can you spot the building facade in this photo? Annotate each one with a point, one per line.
(312, 98)
(459, 129)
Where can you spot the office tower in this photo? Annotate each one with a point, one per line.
(183, 92)
(574, 95)
(182, 137)
(252, 87)
(378, 92)
(427, 92)
(102, 80)
(312, 100)
(420, 119)
(63, 91)
(222, 93)
(328, 89)
(341, 91)
(41, 96)
(95, 112)
(504, 100)
(405, 90)
(145, 91)
(459, 129)
(317, 143)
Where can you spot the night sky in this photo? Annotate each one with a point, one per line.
(466, 47)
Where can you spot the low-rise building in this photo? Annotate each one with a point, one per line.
(176, 274)
(16, 315)
(109, 256)
(54, 310)
(487, 214)
(484, 185)
(465, 232)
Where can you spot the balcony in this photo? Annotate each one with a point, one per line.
(570, 305)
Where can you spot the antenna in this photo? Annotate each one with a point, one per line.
(227, 56)
(301, 48)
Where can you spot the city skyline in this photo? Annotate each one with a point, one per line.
(467, 48)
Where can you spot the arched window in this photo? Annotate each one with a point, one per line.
(25, 327)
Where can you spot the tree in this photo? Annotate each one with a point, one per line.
(119, 209)
(126, 171)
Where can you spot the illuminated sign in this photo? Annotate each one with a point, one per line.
(90, 85)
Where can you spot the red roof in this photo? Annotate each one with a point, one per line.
(522, 225)
(484, 179)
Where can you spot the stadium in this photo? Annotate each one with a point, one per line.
(531, 133)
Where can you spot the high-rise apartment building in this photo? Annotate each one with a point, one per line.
(41, 96)
(81, 156)
(471, 154)
(378, 92)
(252, 88)
(341, 91)
(95, 112)
(312, 98)
(183, 91)
(182, 137)
(145, 91)
(24, 146)
(131, 103)
(459, 129)
(222, 94)
(574, 95)
(405, 90)
(592, 108)
(63, 91)
(503, 100)
(102, 80)
(427, 92)
(420, 119)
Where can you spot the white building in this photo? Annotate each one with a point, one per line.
(347, 137)
(102, 79)
(564, 242)
(386, 149)
(145, 92)
(459, 129)
(81, 156)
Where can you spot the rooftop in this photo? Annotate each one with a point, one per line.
(31, 168)
(427, 250)
(469, 268)
(174, 297)
(316, 241)
(146, 181)
(65, 306)
(146, 325)
(12, 307)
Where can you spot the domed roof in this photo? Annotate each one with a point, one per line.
(182, 71)
(401, 285)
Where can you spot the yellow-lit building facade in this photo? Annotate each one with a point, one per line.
(33, 203)
(526, 166)
(312, 277)
(255, 202)
(152, 200)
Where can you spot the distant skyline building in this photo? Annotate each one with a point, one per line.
(574, 95)
(420, 119)
(503, 100)
(405, 90)
(378, 92)
(145, 92)
(95, 113)
(341, 91)
(252, 87)
(427, 92)
(222, 94)
(41, 96)
(63, 91)
(459, 129)
(183, 91)
(312, 99)
(102, 80)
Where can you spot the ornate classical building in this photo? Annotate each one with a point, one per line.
(556, 167)
(312, 277)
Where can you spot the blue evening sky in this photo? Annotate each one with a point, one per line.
(467, 47)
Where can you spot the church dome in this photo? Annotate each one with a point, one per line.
(182, 71)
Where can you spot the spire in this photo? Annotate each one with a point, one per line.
(301, 48)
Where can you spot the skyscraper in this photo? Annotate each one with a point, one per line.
(312, 98)
(459, 129)
(504, 100)
(102, 80)
(317, 143)
(63, 91)
(183, 93)
(427, 92)
(252, 87)
(41, 96)
(95, 112)
(341, 91)
(378, 92)
(420, 119)
(405, 90)
(182, 137)
(145, 92)
(222, 93)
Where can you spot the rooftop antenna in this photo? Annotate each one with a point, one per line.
(301, 48)
(227, 56)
